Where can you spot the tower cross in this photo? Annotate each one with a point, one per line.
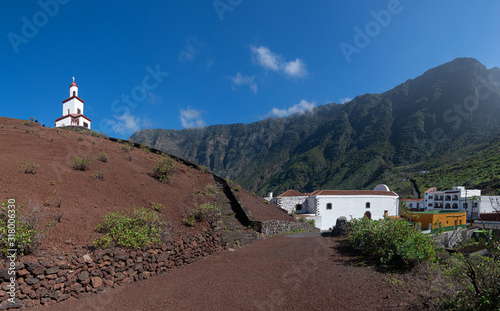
(73, 79)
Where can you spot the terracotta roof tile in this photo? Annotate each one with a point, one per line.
(353, 192)
(292, 193)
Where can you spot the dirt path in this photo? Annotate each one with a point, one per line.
(280, 273)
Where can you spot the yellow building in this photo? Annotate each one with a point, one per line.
(449, 220)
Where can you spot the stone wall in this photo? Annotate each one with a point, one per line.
(274, 227)
(52, 279)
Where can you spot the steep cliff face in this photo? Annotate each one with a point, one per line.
(349, 146)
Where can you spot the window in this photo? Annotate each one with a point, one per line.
(328, 205)
(87, 125)
(367, 204)
(430, 197)
(430, 204)
(78, 111)
(298, 207)
(68, 111)
(74, 93)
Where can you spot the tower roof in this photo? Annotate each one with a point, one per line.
(73, 84)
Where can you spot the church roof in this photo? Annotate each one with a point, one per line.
(73, 84)
(353, 192)
(72, 98)
(292, 193)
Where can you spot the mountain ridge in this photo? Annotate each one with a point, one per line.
(349, 145)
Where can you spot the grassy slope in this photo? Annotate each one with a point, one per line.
(475, 166)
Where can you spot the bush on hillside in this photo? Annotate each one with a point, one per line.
(82, 164)
(133, 228)
(393, 241)
(28, 167)
(164, 169)
(20, 227)
(201, 213)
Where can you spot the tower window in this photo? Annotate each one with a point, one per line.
(78, 110)
(74, 93)
(329, 206)
(367, 204)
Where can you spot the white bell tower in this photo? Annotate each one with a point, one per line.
(73, 110)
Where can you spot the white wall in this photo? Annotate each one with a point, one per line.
(489, 204)
(72, 105)
(353, 206)
(63, 122)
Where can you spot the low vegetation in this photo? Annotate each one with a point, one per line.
(102, 156)
(98, 174)
(132, 228)
(393, 241)
(457, 282)
(21, 228)
(164, 169)
(82, 164)
(201, 213)
(28, 167)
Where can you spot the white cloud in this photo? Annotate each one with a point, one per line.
(264, 57)
(301, 107)
(191, 118)
(344, 100)
(295, 68)
(127, 123)
(267, 59)
(240, 79)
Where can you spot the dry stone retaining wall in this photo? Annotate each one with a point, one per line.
(53, 279)
(274, 227)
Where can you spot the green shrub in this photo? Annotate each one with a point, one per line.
(145, 148)
(133, 228)
(126, 148)
(311, 222)
(393, 241)
(28, 235)
(79, 138)
(157, 207)
(98, 174)
(82, 164)
(201, 213)
(128, 156)
(28, 167)
(102, 156)
(164, 169)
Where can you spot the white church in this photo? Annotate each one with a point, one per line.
(72, 114)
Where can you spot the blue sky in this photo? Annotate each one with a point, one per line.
(182, 64)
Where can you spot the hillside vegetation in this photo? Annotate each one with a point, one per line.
(350, 146)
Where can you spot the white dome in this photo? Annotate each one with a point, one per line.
(381, 187)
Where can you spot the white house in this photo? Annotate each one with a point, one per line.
(73, 110)
(326, 206)
(489, 204)
(457, 199)
(415, 204)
